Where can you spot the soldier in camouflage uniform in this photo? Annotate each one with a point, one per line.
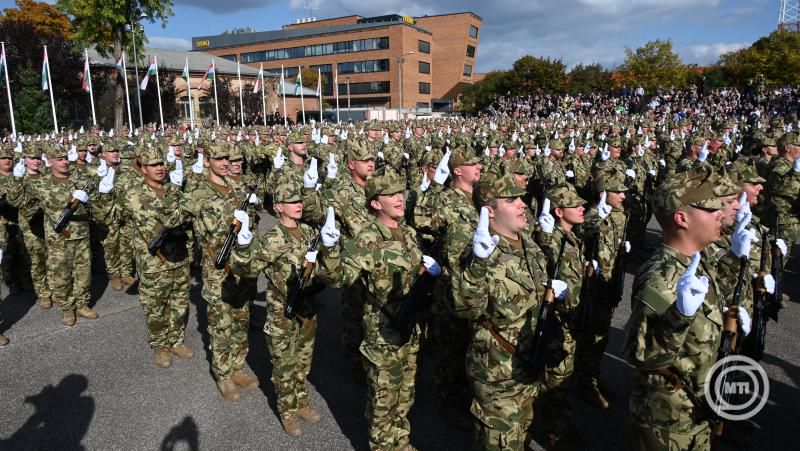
(281, 254)
(386, 258)
(783, 190)
(211, 206)
(666, 330)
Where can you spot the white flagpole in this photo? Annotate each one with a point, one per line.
(263, 100)
(127, 95)
(89, 84)
(158, 86)
(8, 90)
(302, 99)
(319, 87)
(241, 102)
(336, 93)
(50, 88)
(283, 91)
(189, 91)
(216, 104)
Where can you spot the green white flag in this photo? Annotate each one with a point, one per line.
(151, 72)
(45, 71)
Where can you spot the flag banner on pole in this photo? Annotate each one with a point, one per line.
(185, 74)
(119, 66)
(259, 80)
(319, 84)
(87, 77)
(45, 80)
(151, 72)
(210, 72)
(283, 88)
(298, 84)
(2, 67)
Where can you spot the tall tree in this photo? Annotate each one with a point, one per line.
(481, 94)
(776, 57)
(102, 23)
(530, 75)
(651, 65)
(589, 78)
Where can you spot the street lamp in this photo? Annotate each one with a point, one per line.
(136, 68)
(349, 116)
(400, 61)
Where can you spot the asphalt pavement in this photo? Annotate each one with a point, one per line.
(94, 386)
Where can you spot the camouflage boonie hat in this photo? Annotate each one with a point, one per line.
(382, 185)
(392, 128)
(463, 156)
(694, 187)
(374, 126)
(610, 180)
(558, 144)
(744, 170)
(360, 151)
(53, 151)
(218, 150)
(498, 184)
(235, 153)
(149, 156)
(789, 139)
(279, 130)
(564, 196)
(287, 193)
(7, 150)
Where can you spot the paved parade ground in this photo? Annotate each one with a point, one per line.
(94, 386)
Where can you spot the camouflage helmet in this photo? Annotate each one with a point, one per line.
(694, 187)
(383, 185)
(564, 196)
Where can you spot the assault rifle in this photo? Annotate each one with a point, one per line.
(233, 229)
(546, 316)
(300, 282)
(72, 206)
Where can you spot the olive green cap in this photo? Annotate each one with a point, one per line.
(53, 151)
(383, 185)
(725, 184)
(32, 150)
(564, 196)
(287, 193)
(430, 158)
(360, 150)
(235, 153)
(614, 141)
(768, 141)
(463, 156)
(374, 125)
(498, 184)
(557, 144)
(744, 170)
(218, 150)
(610, 180)
(694, 187)
(7, 150)
(517, 166)
(150, 156)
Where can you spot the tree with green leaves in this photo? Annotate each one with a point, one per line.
(480, 95)
(589, 78)
(776, 57)
(102, 23)
(652, 65)
(530, 75)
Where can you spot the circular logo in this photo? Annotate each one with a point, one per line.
(737, 388)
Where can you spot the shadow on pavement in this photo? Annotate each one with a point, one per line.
(184, 435)
(14, 308)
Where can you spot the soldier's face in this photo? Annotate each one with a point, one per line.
(392, 205)
(6, 163)
(493, 151)
(362, 169)
(235, 167)
(615, 151)
(732, 205)
(111, 156)
(770, 150)
(396, 136)
(60, 165)
(81, 155)
(154, 172)
(556, 153)
(510, 152)
(615, 199)
(33, 164)
(509, 216)
(752, 190)
(218, 166)
(298, 149)
(429, 170)
(703, 226)
(374, 134)
(521, 180)
(293, 210)
(470, 174)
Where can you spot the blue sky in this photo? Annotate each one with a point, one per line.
(577, 31)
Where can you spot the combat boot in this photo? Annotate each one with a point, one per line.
(183, 352)
(127, 280)
(228, 390)
(308, 414)
(45, 303)
(291, 426)
(86, 313)
(162, 358)
(116, 284)
(3, 340)
(244, 380)
(69, 318)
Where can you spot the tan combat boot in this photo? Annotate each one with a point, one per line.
(308, 414)
(244, 380)
(45, 303)
(162, 358)
(69, 318)
(3, 340)
(86, 313)
(291, 426)
(116, 284)
(183, 352)
(228, 390)
(127, 280)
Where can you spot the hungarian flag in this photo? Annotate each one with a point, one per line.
(87, 77)
(120, 66)
(45, 70)
(151, 72)
(298, 83)
(2, 66)
(259, 80)
(319, 83)
(283, 80)
(185, 74)
(210, 72)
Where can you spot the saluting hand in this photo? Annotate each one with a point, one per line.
(330, 234)
(691, 289)
(311, 175)
(546, 221)
(483, 243)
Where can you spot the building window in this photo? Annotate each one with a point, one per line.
(360, 45)
(423, 106)
(467, 70)
(424, 88)
(228, 57)
(327, 78)
(471, 51)
(357, 67)
(424, 68)
(473, 31)
(374, 87)
(184, 105)
(424, 47)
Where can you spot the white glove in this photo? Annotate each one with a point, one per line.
(406, 156)
(596, 267)
(662, 163)
(546, 221)
(744, 210)
(796, 166)
(703, 152)
(603, 209)
(605, 154)
(652, 172)
(560, 289)
(1, 255)
(744, 320)
(179, 165)
(171, 155)
(311, 256)
(779, 242)
(311, 176)
(425, 182)
(569, 173)
(245, 236)
(769, 283)
(176, 177)
(630, 173)
(253, 199)
(442, 170)
(547, 150)
(106, 183)
(380, 155)
(691, 289)
(324, 140)
(19, 168)
(627, 247)
(197, 167)
(89, 157)
(102, 168)
(431, 266)
(386, 139)
(483, 244)
(742, 238)
(640, 150)
(279, 159)
(330, 234)
(81, 196)
(72, 155)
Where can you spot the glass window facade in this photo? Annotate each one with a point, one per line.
(357, 67)
(424, 47)
(229, 57)
(471, 51)
(424, 68)
(467, 70)
(473, 31)
(359, 45)
(424, 88)
(374, 87)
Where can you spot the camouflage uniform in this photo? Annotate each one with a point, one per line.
(783, 194)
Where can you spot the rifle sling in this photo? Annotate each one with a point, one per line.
(505, 344)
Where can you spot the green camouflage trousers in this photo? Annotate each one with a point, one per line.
(69, 272)
(352, 328)
(165, 300)
(390, 383)
(36, 249)
(117, 249)
(503, 414)
(646, 438)
(558, 373)
(593, 341)
(291, 347)
(228, 319)
(451, 337)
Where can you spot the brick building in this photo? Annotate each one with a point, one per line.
(424, 62)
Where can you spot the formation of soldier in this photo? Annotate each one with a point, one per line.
(500, 242)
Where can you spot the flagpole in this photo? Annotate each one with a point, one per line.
(158, 87)
(214, 79)
(302, 99)
(283, 91)
(8, 90)
(263, 100)
(319, 90)
(89, 84)
(241, 102)
(50, 88)
(189, 92)
(336, 93)
(127, 94)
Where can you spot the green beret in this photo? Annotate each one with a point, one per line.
(694, 187)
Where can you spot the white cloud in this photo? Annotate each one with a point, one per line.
(162, 42)
(709, 53)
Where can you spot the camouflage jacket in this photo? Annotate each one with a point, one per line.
(783, 193)
(609, 235)
(658, 335)
(572, 263)
(454, 217)
(349, 203)
(53, 195)
(211, 208)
